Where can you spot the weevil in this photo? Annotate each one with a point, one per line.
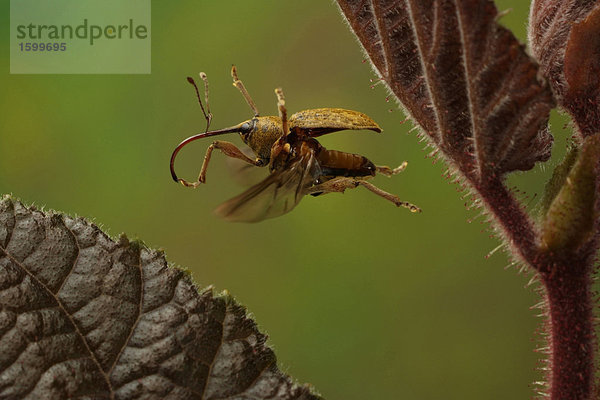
(298, 164)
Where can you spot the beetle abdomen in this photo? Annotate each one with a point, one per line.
(339, 163)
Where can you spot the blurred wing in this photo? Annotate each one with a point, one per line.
(320, 121)
(242, 173)
(275, 195)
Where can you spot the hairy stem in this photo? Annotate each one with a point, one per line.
(567, 283)
(512, 220)
(572, 342)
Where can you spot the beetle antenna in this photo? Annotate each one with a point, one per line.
(282, 110)
(238, 84)
(193, 138)
(207, 116)
(205, 80)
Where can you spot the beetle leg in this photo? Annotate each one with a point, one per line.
(227, 148)
(282, 110)
(340, 184)
(390, 197)
(387, 171)
(238, 84)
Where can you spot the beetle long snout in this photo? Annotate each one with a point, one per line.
(231, 129)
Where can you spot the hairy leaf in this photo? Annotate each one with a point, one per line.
(465, 79)
(565, 37)
(82, 316)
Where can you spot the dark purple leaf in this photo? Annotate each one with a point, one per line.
(82, 316)
(465, 79)
(565, 37)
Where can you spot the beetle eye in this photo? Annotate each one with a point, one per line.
(245, 128)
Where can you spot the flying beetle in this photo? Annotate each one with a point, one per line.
(298, 164)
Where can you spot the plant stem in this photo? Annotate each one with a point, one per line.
(568, 291)
(567, 282)
(510, 218)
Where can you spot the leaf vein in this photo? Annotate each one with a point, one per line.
(69, 317)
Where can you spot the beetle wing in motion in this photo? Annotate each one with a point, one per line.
(321, 121)
(242, 173)
(276, 195)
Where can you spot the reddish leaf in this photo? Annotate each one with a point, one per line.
(565, 37)
(82, 316)
(465, 79)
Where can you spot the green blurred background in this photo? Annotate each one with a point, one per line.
(363, 300)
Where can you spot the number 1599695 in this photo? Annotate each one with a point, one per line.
(43, 46)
